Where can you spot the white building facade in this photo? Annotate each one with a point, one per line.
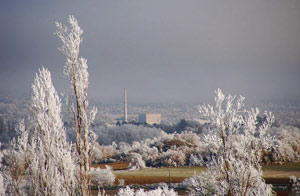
(150, 118)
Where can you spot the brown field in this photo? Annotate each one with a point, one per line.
(273, 174)
(141, 180)
(114, 166)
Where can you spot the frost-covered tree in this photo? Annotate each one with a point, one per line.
(2, 189)
(17, 159)
(160, 191)
(2, 186)
(166, 150)
(41, 156)
(136, 161)
(39, 161)
(295, 185)
(239, 143)
(52, 169)
(126, 133)
(103, 176)
(287, 146)
(100, 153)
(76, 71)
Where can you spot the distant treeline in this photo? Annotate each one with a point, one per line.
(182, 125)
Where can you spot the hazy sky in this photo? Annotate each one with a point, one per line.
(160, 50)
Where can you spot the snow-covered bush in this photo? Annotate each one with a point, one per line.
(170, 158)
(2, 185)
(167, 150)
(102, 176)
(164, 191)
(196, 160)
(136, 161)
(127, 133)
(295, 185)
(16, 161)
(287, 146)
(100, 153)
(2, 188)
(236, 179)
(238, 144)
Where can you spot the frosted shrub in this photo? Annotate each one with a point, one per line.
(2, 186)
(102, 176)
(175, 149)
(196, 160)
(191, 138)
(171, 158)
(2, 189)
(99, 153)
(101, 193)
(288, 145)
(168, 150)
(295, 185)
(125, 147)
(17, 159)
(164, 191)
(237, 143)
(147, 153)
(215, 180)
(136, 161)
(126, 133)
(126, 192)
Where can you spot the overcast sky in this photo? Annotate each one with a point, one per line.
(160, 50)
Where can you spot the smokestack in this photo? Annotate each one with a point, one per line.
(125, 105)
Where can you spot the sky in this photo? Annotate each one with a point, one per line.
(165, 51)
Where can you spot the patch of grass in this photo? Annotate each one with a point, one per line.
(283, 167)
(162, 172)
(157, 175)
(273, 174)
(279, 174)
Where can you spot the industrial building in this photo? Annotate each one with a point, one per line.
(143, 118)
(150, 118)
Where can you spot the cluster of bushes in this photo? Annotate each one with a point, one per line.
(188, 148)
(126, 133)
(166, 150)
(287, 145)
(182, 125)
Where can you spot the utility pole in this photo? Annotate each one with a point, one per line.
(125, 106)
(169, 177)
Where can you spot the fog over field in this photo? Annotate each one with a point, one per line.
(161, 51)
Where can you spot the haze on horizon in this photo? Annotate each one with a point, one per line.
(161, 51)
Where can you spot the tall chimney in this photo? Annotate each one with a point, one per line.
(125, 105)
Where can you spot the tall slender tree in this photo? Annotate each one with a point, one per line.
(76, 71)
(51, 165)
